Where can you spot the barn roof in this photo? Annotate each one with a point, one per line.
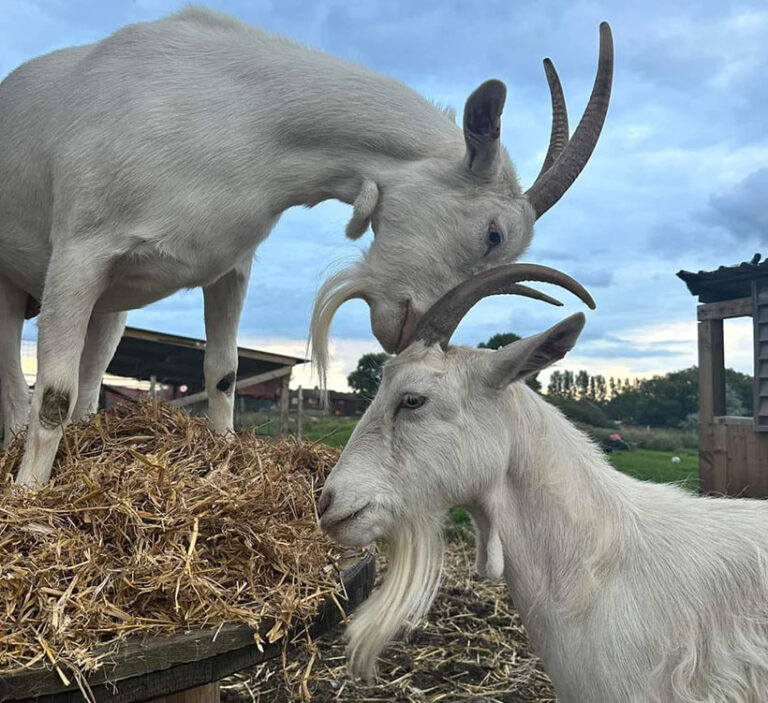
(726, 282)
(176, 360)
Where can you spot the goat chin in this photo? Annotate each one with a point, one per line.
(410, 585)
(337, 290)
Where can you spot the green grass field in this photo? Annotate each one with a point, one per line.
(652, 465)
(330, 431)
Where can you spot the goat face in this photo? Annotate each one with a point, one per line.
(436, 435)
(431, 232)
(440, 224)
(397, 459)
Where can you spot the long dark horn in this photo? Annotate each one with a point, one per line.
(552, 183)
(439, 322)
(527, 292)
(558, 137)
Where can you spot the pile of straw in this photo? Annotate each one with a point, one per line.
(154, 524)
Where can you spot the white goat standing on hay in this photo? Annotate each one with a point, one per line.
(632, 592)
(159, 158)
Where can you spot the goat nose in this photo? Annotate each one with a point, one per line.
(325, 500)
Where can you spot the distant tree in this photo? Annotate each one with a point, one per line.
(583, 411)
(555, 387)
(365, 379)
(662, 401)
(734, 404)
(672, 400)
(739, 398)
(501, 340)
(561, 385)
(569, 386)
(601, 390)
(582, 384)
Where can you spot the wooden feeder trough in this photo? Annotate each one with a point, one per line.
(185, 668)
(161, 558)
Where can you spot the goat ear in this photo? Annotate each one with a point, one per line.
(529, 355)
(482, 125)
(363, 207)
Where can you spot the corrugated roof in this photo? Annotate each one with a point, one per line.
(176, 360)
(726, 282)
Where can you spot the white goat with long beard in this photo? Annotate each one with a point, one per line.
(631, 592)
(160, 157)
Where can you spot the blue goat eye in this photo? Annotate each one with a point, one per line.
(412, 401)
(494, 237)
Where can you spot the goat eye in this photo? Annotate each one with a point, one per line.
(494, 237)
(411, 401)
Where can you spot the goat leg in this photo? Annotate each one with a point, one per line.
(223, 305)
(74, 281)
(14, 392)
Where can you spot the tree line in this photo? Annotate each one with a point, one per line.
(668, 400)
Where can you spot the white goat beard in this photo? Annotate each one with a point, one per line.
(410, 586)
(336, 291)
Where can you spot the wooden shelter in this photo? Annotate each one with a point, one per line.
(733, 451)
(177, 362)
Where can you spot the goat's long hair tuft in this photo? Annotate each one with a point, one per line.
(337, 290)
(410, 586)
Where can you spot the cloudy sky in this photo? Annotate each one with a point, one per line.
(678, 180)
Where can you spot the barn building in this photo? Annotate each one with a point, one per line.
(173, 366)
(170, 367)
(336, 403)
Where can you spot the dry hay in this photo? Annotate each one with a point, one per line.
(154, 524)
(473, 647)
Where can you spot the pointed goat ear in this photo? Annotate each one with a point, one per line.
(482, 125)
(532, 354)
(363, 207)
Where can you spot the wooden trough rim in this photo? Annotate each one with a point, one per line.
(163, 666)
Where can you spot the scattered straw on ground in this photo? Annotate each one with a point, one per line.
(154, 524)
(472, 648)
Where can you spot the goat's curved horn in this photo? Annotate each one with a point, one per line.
(439, 322)
(526, 292)
(558, 137)
(552, 182)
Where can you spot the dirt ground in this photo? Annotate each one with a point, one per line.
(473, 648)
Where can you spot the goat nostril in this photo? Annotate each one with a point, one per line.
(324, 502)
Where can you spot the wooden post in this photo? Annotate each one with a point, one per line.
(153, 386)
(209, 693)
(285, 395)
(299, 412)
(760, 334)
(712, 458)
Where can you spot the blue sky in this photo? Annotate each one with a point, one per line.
(678, 180)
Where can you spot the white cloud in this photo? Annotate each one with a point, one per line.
(680, 337)
(713, 167)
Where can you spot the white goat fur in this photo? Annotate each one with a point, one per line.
(160, 157)
(630, 591)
